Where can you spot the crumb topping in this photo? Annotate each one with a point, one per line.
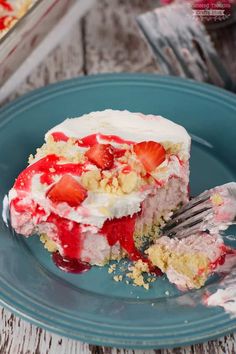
(126, 175)
(217, 199)
(109, 182)
(68, 150)
(91, 180)
(48, 243)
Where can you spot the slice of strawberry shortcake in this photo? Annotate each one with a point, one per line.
(102, 185)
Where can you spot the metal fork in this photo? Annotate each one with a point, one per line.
(211, 211)
(182, 46)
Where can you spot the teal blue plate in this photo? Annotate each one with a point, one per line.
(92, 307)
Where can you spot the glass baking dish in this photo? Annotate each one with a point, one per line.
(22, 39)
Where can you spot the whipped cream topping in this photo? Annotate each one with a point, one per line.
(135, 127)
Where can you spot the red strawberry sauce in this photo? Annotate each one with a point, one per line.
(115, 230)
(7, 18)
(49, 166)
(68, 231)
(69, 265)
(122, 230)
(221, 260)
(71, 241)
(91, 140)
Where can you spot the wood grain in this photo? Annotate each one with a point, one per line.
(107, 40)
(113, 42)
(224, 40)
(20, 337)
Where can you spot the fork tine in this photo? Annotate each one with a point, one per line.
(182, 233)
(203, 197)
(176, 220)
(190, 222)
(198, 214)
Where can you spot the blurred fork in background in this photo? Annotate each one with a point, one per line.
(182, 46)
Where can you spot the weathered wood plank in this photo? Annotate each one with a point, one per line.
(225, 43)
(113, 41)
(19, 337)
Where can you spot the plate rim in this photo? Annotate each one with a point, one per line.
(45, 93)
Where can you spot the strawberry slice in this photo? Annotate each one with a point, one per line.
(119, 152)
(67, 190)
(150, 153)
(102, 155)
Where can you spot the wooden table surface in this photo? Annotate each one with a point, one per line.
(106, 40)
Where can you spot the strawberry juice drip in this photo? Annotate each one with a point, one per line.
(218, 262)
(69, 235)
(48, 167)
(122, 231)
(58, 136)
(92, 139)
(221, 260)
(69, 265)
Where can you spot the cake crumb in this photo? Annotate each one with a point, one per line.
(111, 268)
(48, 244)
(118, 278)
(136, 273)
(128, 182)
(167, 293)
(90, 180)
(30, 159)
